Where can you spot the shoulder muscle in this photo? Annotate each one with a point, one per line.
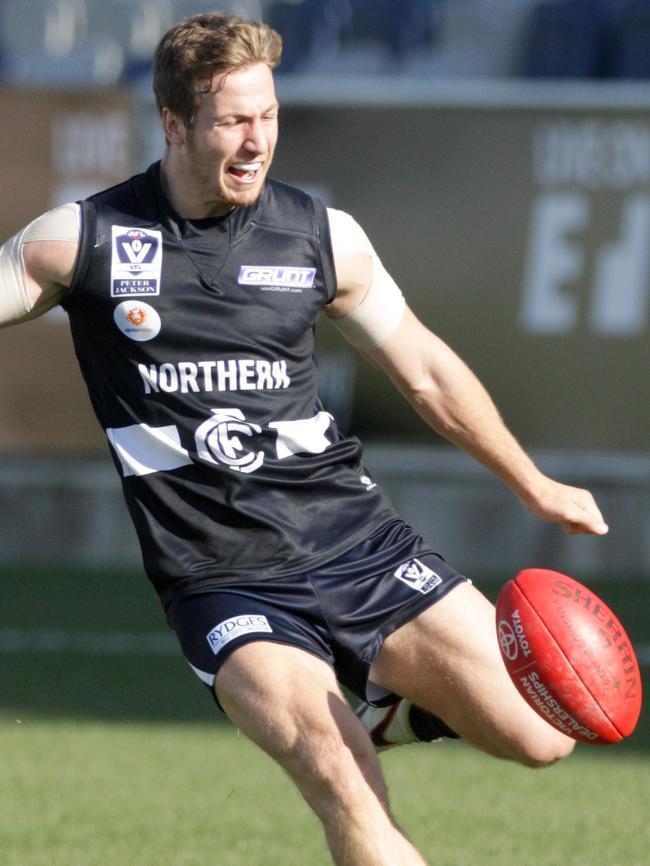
(369, 306)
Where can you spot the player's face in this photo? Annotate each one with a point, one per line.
(230, 145)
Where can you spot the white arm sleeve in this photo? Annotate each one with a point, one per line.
(380, 311)
(60, 224)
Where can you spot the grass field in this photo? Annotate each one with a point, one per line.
(113, 755)
(171, 794)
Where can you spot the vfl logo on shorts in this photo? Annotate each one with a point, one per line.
(236, 626)
(136, 262)
(418, 576)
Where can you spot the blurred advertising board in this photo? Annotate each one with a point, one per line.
(56, 147)
(520, 234)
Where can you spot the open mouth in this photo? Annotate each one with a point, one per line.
(245, 171)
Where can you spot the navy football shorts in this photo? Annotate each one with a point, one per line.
(342, 611)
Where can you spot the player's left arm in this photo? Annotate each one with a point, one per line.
(451, 399)
(371, 313)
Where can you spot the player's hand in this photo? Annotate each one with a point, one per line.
(572, 507)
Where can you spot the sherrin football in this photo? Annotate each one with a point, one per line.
(569, 656)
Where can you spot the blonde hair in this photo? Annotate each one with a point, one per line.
(195, 49)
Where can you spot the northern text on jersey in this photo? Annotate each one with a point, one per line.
(233, 374)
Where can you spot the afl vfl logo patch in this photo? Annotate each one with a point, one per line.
(418, 576)
(137, 320)
(136, 262)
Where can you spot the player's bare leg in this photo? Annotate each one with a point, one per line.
(447, 661)
(289, 703)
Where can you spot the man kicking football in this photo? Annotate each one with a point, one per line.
(192, 291)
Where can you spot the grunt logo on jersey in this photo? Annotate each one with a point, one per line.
(136, 261)
(274, 278)
(418, 576)
(218, 441)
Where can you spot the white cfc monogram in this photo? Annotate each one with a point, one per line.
(219, 440)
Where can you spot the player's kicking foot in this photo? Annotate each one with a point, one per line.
(401, 723)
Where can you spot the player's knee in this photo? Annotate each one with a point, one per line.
(545, 751)
(337, 776)
(331, 776)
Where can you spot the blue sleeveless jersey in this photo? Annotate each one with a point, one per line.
(196, 341)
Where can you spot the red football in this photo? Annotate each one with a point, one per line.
(569, 656)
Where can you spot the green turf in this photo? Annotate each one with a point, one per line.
(97, 794)
(144, 794)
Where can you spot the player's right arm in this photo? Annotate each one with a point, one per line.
(37, 263)
(371, 313)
